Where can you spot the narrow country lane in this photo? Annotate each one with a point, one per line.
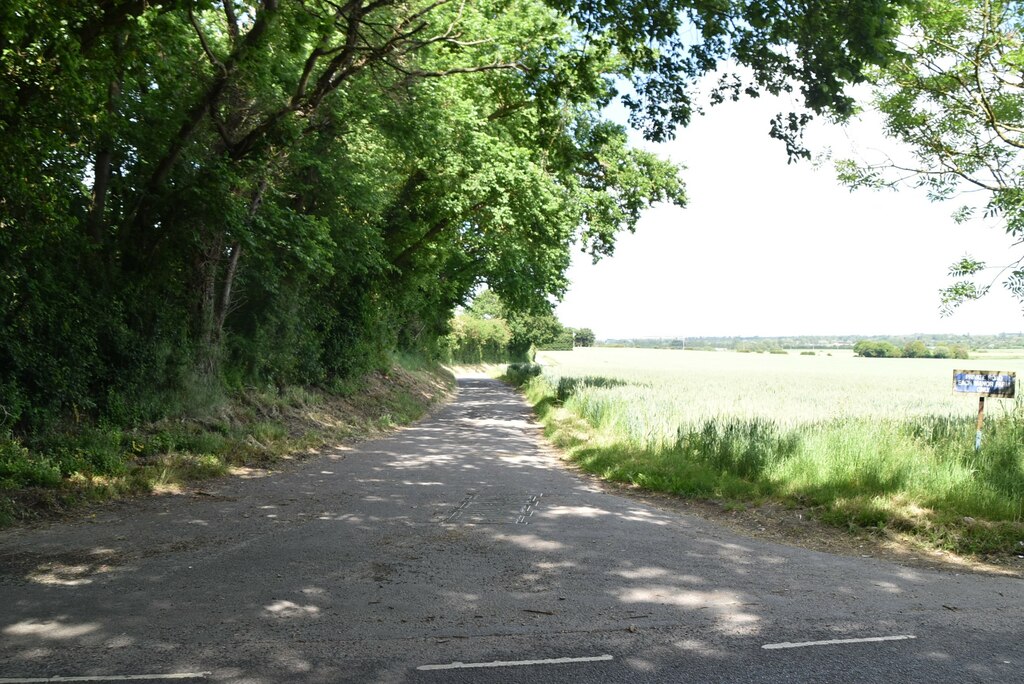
(459, 550)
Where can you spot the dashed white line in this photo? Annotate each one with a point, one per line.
(106, 678)
(516, 663)
(833, 642)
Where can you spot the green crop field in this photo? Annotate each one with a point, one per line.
(665, 388)
(871, 442)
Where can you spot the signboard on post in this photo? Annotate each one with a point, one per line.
(986, 383)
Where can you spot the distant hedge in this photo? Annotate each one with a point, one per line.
(912, 350)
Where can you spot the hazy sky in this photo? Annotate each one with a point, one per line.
(765, 248)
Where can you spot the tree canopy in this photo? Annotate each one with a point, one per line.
(955, 99)
(283, 191)
(815, 46)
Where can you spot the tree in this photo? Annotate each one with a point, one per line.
(486, 304)
(285, 191)
(584, 337)
(523, 332)
(666, 46)
(478, 340)
(916, 350)
(532, 331)
(955, 351)
(289, 188)
(876, 349)
(955, 97)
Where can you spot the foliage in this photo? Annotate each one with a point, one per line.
(489, 331)
(533, 331)
(955, 99)
(584, 337)
(477, 340)
(951, 352)
(222, 194)
(563, 341)
(874, 349)
(568, 386)
(666, 46)
(915, 349)
(203, 196)
(518, 374)
(254, 427)
(19, 468)
(486, 305)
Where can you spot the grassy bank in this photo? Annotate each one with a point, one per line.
(250, 428)
(912, 473)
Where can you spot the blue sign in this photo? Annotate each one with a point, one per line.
(987, 383)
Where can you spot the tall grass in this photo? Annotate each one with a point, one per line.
(806, 434)
(255, 427)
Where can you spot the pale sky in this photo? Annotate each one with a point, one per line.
(770, 249)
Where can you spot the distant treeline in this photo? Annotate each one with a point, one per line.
(826, 342)
(911, 350)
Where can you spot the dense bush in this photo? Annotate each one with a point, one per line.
(876, 349)
(520, 373)
(491, 332)
(19, 468)
(477, 340)
(563, 342)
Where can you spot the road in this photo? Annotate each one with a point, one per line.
(459, 550)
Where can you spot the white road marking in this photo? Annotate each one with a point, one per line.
(516, 663)
(831, 642)
(106, 678)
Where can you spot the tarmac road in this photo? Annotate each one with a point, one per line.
(458, 550)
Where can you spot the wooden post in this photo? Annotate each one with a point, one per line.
(981, 420)
(985, 383)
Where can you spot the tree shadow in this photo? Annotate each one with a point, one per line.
(352, 567)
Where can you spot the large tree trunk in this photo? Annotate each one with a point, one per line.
(216, 271)
(207, 266)
(104, 161)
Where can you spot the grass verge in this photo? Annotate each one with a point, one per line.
(252, 428)
(919, 476)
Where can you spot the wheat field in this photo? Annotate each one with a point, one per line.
(666, 388)
(878, 442)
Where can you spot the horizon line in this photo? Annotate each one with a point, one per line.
(763, 337)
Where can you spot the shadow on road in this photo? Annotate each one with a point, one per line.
(460, 539)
